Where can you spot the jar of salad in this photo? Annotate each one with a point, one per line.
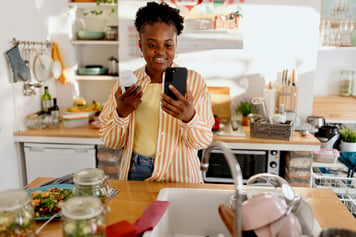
(91, 182)
(84, 216)
(17, 217)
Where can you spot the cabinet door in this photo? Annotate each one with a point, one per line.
(54, 160)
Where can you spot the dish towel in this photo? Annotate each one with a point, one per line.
(56, 55)
(121, 229)
(150, 217)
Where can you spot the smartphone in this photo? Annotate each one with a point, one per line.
(176, 76)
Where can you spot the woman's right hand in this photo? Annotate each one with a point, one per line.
(129, 100)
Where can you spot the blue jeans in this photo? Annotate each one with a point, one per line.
(141, 167)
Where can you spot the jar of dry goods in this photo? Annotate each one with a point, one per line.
(91, 182)
(17, 216)
(84, 216)
(345, 83)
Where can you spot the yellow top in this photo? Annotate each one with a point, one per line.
(147, 121)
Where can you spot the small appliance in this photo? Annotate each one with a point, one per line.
(251, 162)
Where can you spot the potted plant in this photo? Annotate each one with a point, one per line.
(348, 139)
(96, 19)
(244, 108)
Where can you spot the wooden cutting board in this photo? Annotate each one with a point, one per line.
(221, 101)
(335, 108)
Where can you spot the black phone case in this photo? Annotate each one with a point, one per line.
(176, 76)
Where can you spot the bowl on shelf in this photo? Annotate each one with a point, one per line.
(90, 35)
(92, 71)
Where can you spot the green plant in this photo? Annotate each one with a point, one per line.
(348, 134)
(244, 108)
(98, 10)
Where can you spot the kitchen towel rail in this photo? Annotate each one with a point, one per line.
(27, 42)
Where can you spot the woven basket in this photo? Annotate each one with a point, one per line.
(272, 131)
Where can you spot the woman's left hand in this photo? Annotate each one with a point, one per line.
(182, 108)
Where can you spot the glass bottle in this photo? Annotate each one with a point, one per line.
(17, 217)
(46, 100)
(54, 114)
(345, 83)
(91, 182)
(84, 216)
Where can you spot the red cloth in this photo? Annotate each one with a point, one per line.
(121, 229)
(151, 216)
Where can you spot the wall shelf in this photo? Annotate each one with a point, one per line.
(96, 78)
(95, 42)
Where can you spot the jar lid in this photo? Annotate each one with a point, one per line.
(83, 207)
(90, 176)
(13, 199)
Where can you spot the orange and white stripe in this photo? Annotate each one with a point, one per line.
(176, 157)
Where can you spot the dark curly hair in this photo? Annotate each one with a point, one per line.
(158, 12)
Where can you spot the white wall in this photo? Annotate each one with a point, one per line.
(25, 20)
(330, 62)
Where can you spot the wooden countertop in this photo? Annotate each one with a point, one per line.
(135, 196)
(90, 135)
(335, 108)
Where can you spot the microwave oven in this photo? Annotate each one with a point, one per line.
(251, 162)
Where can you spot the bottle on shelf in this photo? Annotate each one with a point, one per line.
(54, 114)
(46, 100)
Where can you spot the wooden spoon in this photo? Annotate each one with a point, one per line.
(228, 217)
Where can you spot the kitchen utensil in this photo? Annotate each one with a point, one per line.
(259, 109)
(273, 209)
(42, 67)
(56, 69)
(44, 224)
(316, 121)
(297, 205)
(228, 217)
(328, 135)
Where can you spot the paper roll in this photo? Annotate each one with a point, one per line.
(270, 97)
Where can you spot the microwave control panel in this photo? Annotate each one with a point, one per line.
(273, 161)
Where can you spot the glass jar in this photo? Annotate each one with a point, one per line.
(84, 217)
(17, 217)
(345, 83)
(91, 182)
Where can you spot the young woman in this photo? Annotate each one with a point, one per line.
(160, 136)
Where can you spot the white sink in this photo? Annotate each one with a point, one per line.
(194, 213)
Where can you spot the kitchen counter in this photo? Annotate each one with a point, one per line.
(135, 196)
(89, 135)
(335, 109)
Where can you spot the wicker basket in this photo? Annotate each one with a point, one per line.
(272, 131)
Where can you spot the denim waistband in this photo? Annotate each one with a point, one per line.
(135, 156)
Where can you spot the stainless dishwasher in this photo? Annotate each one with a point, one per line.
(55, 160)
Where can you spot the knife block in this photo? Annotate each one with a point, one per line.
(288, 96)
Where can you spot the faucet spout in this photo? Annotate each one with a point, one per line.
(236, 175)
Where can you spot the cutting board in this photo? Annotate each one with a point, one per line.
(221, 101)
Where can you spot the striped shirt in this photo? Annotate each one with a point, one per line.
(176, 157)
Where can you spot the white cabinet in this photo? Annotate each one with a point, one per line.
(56, 160)
(89, 52)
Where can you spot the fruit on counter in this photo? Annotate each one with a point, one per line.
(93, 107)
(80, 102)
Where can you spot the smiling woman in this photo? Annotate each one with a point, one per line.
(160, 136)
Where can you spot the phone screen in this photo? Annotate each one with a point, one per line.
(176, 76)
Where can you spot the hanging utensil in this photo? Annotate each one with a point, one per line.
(42, 66)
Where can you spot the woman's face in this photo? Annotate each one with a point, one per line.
(158, 44)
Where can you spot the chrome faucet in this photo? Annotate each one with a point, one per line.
(236, 175)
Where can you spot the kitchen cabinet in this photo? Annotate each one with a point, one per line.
(94, 52)
(56, 160)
